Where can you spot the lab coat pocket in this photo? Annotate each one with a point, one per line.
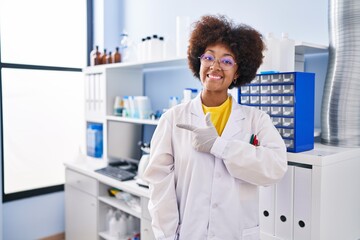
(251, 233)
(243, 136)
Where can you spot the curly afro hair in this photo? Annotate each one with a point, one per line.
(245, 42)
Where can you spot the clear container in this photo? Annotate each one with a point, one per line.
(127, 49)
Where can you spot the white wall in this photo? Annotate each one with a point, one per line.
(304, 20)
(34, 218)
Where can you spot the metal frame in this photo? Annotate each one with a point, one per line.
(49, 189)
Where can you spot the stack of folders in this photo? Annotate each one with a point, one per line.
(285, 208)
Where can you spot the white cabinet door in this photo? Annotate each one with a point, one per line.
(80, 215)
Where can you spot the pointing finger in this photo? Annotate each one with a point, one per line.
(208, 120)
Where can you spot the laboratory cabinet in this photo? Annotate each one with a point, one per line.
(80, 206)
(87, 202)
(318, 198)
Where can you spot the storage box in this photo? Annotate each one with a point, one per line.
(94, 140)
(289, 100)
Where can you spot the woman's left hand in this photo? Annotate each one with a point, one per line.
(203, 138)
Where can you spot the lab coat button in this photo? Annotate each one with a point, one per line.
(217, 175)
(215, 205)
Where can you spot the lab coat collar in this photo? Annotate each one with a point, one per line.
(233, 125)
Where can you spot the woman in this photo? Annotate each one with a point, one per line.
(205, 166)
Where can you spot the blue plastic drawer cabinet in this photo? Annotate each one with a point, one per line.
(289, 100)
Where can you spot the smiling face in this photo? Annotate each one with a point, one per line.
(214, 79)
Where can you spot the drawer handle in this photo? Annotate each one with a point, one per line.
(301, 223)
(266, 213)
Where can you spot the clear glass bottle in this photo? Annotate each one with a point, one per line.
(125, 47)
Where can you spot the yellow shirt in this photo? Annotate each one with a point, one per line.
(219, 115)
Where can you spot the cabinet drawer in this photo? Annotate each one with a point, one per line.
(81, 182)
(144, 208)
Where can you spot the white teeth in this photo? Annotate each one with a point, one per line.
(214, 76)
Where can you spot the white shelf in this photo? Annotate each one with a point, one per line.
(120, 204)
(146, 65)
(323, 155)
(304, 48)
(132, 120)
(300, 48)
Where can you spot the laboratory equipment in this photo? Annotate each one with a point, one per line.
(340, 115)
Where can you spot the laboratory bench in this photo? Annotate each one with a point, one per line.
(318, 198)
(87, 202)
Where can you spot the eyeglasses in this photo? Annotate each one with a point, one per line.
(226, 63)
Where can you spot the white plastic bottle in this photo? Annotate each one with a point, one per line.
(162, 48)
(168, 48)
(173, 101)
(271, 60)
(287, 54)
(122, 226)
(131, 225)
(187, 95)
(109, 217)
(114, 225)
(156, 48)
(148, 49)
(141, 50)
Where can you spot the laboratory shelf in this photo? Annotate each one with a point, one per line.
(120, 204)
(301, 48)
(132, 120)
(304, 48)
(144, 65)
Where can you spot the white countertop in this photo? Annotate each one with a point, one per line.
(88, 166)
(321, 155)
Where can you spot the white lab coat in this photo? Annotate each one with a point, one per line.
(211, 196)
